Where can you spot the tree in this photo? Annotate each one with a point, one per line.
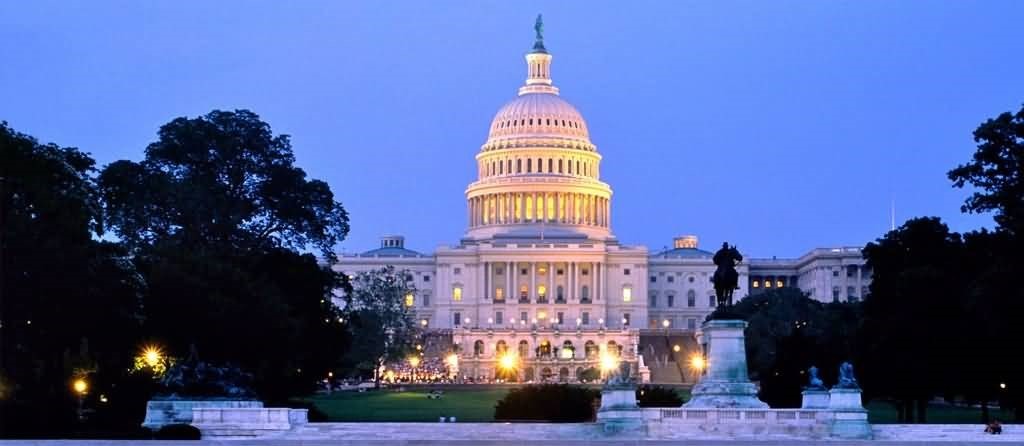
(787, 333)
(68, 303)
(217, 217)
(382, 325)
(996, 171)
(916, 302)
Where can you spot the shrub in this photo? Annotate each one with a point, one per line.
(657, 396)
(178, 432)
(560, 403)
(590, 375)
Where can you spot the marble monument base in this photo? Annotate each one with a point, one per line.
(726, 384)
(850, 419)
(161, 412)
(815, 399)
(619, 412)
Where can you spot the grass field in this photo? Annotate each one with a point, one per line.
(477, 405)
(466, 405)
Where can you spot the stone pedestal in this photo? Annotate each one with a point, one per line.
(850, 419)
(619, 412)
(726, 383)
(815, 399)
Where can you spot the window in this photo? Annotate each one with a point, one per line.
(835, 273)
(560, 294)
(523, 316)
(457, 293)
(498, 317)
(672, 279)
(499, 270)
(458, 271)
(625, 271)
(426, 277)
(519, 166)
(559, 166)
(457, 319)
(627, 294)
(529, 165)
(654, 279)
(767, 283)
(585, 294)
(523, 272)
(426, 299)
(670, 300)
(691, 279)
(755, 284)
(499, 294)
(542, 292)
(835, 294)
(711, 301)
(778, 284)
(625, 319)
(524, 293)
(584, 271)
(560, 317)
(851, 292)
(585, 318)
(410, 300)
(559, 271)
(691, 298)
(691, 323)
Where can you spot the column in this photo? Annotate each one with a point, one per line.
(533, 282)
(597, 280)
(604, 277)
(575, 280)
(551, 282)
(487, 280)
(510, 271)
(860, 285)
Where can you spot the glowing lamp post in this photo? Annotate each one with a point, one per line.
(81, 387)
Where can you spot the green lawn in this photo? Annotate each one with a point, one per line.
(385, 405)
(885, 413)
(469, 405)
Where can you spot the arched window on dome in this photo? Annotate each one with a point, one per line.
(570, 167)
(529, 165)
(563, 123)
(577, 167)
(522, 122)
(501, 168)
(531, 121)
(509, 169)
(549, 121)
(551, 163)
(585, 169)
(519, 166)
(540, 165)
(559, 166)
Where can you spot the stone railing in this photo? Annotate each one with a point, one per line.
(247, 422)
(740, 415)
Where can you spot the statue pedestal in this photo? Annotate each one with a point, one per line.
(726, 383)
(619, 411)
(850, 419)
(815, 399)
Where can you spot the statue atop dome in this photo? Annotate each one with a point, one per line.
(538, 27)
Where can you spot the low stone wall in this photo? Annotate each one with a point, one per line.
(738, 423)
(160, 413)
(221, 422)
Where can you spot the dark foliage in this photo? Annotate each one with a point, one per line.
(560, 403)
(657, 396)
(789, 332)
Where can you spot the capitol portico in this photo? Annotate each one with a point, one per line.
(540, 275)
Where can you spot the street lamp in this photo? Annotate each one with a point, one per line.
(81, 387)
(698, 363)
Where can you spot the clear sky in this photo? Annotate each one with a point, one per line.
(779, 126)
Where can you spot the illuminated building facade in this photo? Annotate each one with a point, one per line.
(540, 281)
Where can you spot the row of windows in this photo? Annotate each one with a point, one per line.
(540, 317)
(553, 165)
(545, 349)
(670, 300)
(669, 279)
(510, 123)
(691, 323)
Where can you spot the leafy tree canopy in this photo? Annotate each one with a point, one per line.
(382, 325)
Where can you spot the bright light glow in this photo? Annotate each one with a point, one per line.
(697, 362)
(452, 361)
(609, 362)
(627, 294)
(80, 386)
(103, 399)
(579, 321)
(542, 315)
(1002, 385)
(330, 374)
(152, 355)
(423, 322)
(665, 323)
(414, 361)
(490, 320)
(409, 300)
(508, 361)
(755, 284)
(466, 321)
(457, 293)
(676, 348)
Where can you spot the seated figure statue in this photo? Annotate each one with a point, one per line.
(620, 377)
(814, 382)
(846, 378)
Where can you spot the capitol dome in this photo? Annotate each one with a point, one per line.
(538, 172)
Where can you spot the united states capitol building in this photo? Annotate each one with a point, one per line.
(540, 274)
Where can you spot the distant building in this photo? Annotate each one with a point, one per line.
(540, 275)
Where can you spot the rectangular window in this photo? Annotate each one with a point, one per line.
(584, 272)
(559, 271)
(654, 279)
(458, 271)
(652, 300)
(410, 300)
(691, 300)
(523, 272)
(671, 279)
(835, 273)
(561, 317)
(457, 293)
(691, 323)
(457, 319)
(625, 319)
(426, 299)
(499, 294)
(627, 294)
(711, 301)
(585, 318)
(499, 270)
(426, 277)
(671, 300)
(523, 316)
(625, 271)
(498, 317)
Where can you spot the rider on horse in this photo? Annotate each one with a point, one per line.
(726, 278)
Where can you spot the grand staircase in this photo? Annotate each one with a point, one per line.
(668, 366)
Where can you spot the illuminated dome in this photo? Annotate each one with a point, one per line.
(538, 172)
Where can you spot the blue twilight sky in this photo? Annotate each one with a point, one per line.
(779, 126)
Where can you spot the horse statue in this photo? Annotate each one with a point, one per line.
(726, 278)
